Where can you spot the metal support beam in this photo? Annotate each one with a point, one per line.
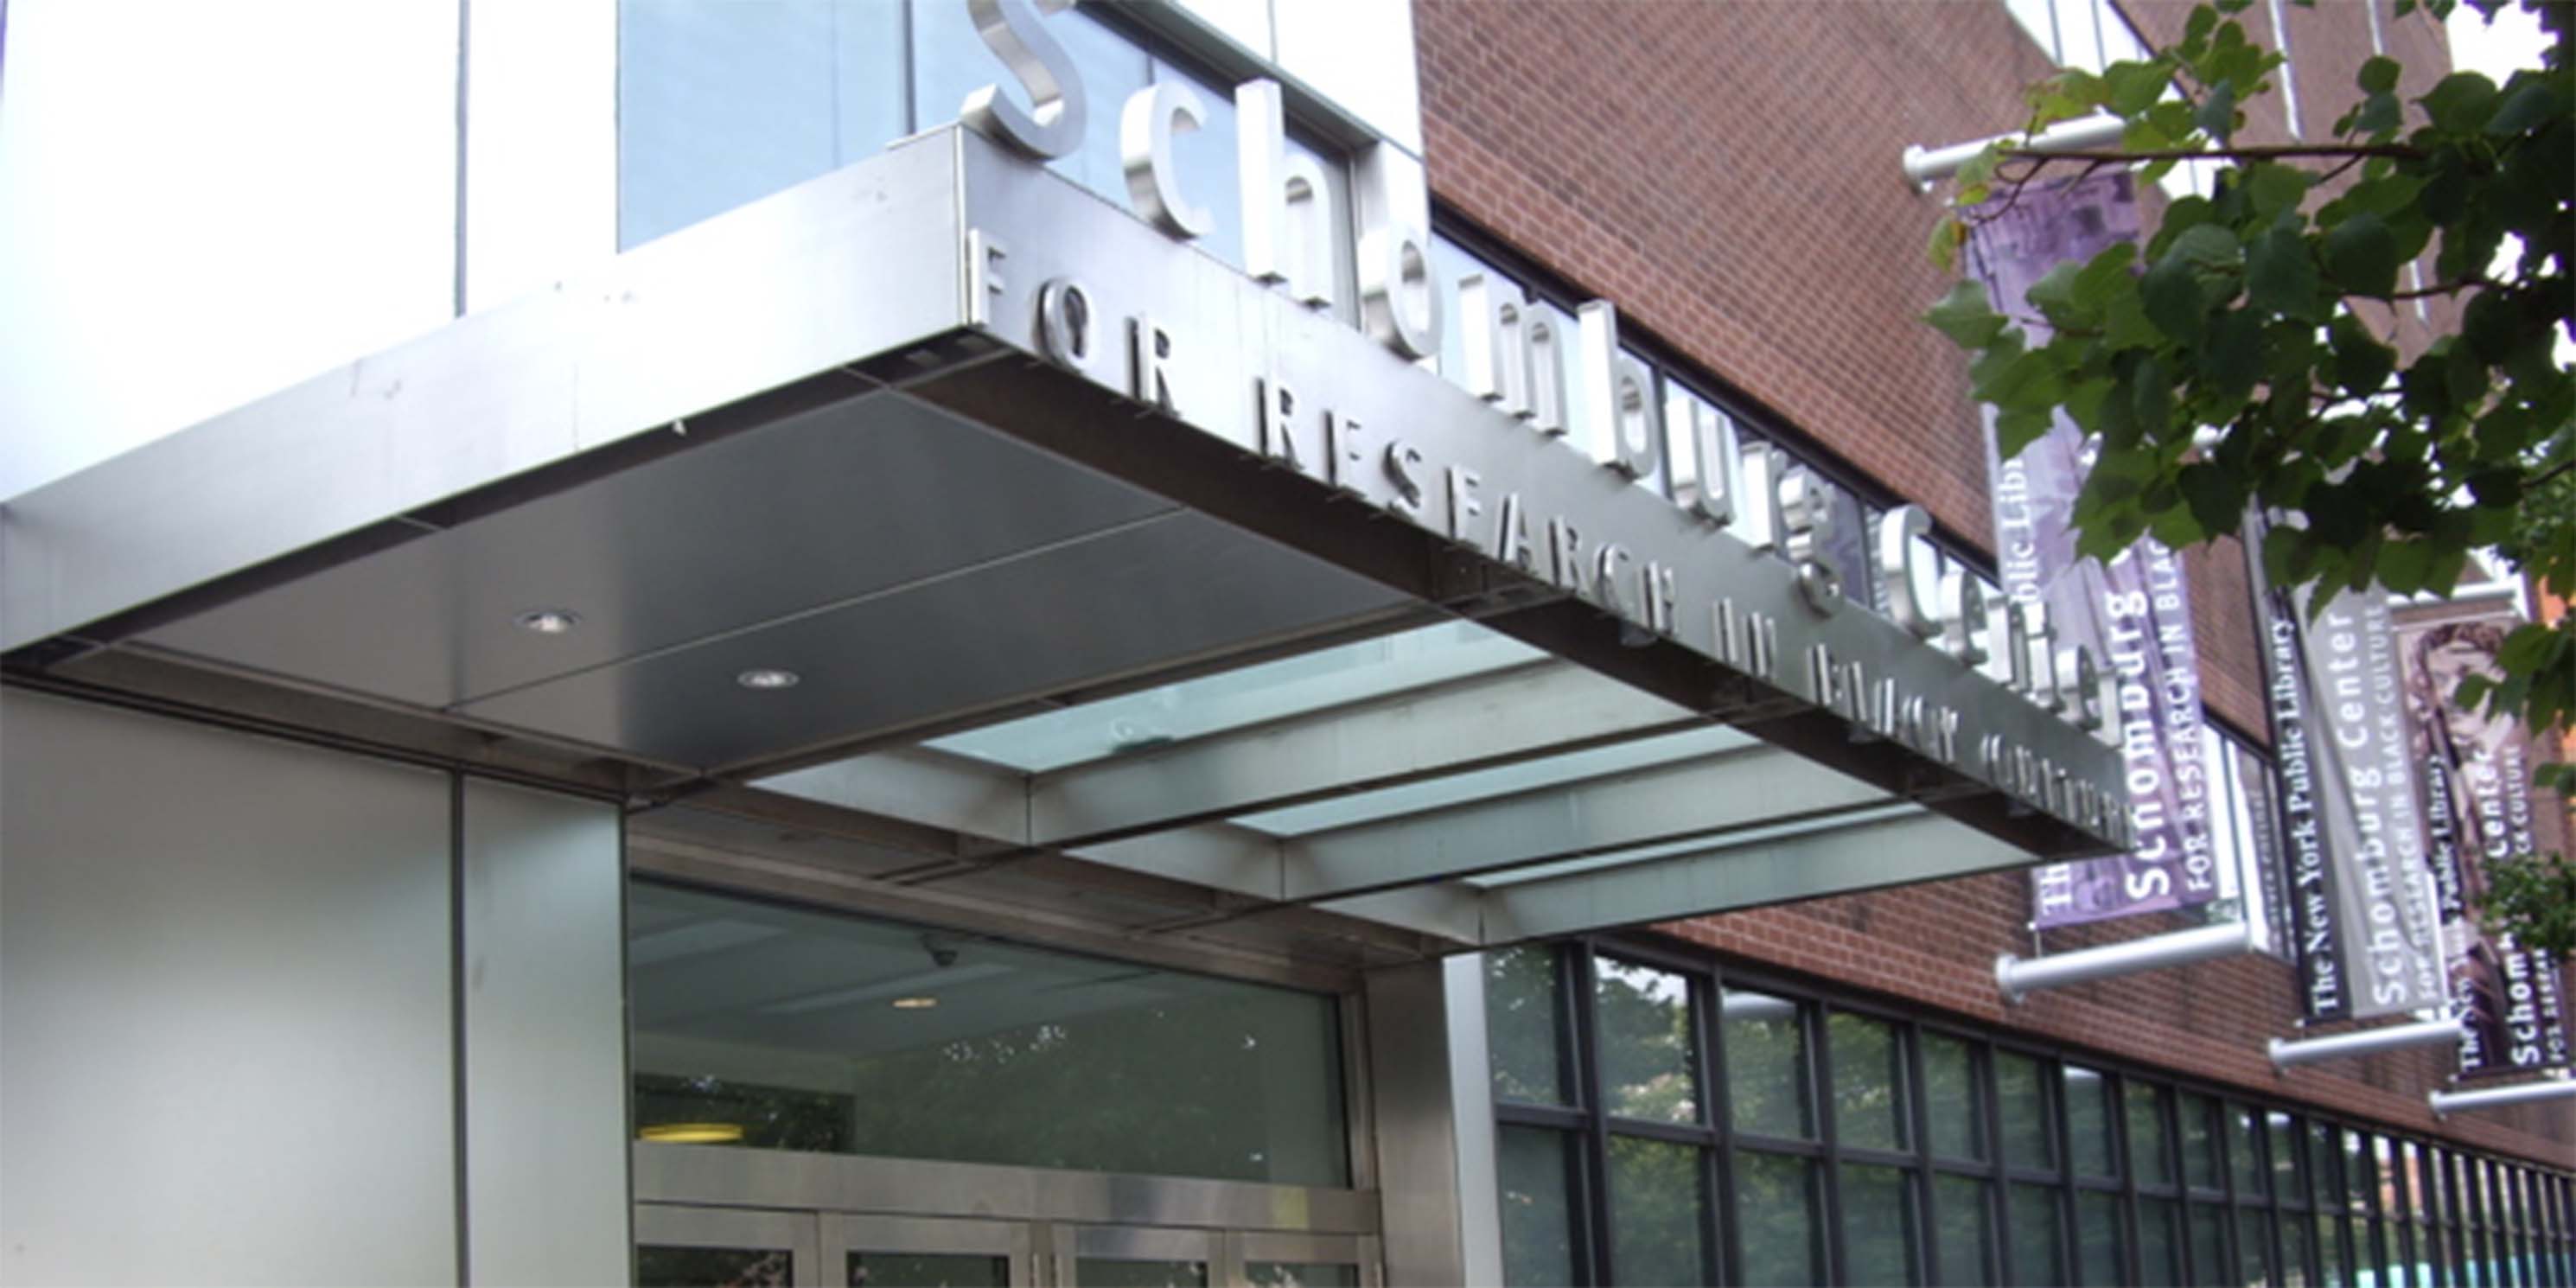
(2521, 1093)
(2395, 1037)
(2018, 977)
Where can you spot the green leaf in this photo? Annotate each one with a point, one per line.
(2402, 565)
(2217, 113)
(2379, 113)
(2361, 362)
(2275, 188)
(2532, 102)
(2172, 297)
(2281, 277)
(2460, 102)
(1964, 316)
(1943, 250)
(2015, 430)
(2054, 294)
(2361, 253)
(2215, 498)
(2232, 361)
(2136, 86)
(2379, 75)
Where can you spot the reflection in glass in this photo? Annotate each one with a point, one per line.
(2150, 1145)
(2253, 1247)
(1647, 1067)
(665, 1266)
(2024, 1101)
(1775, 1206)
(2038, 1237)
(721, 105)
(1766, 1065)
(951, 62)
(927, 1270)
(1115, 1272)
(1525, 1024)
(1656, 1196)
(1951, 1098)
(2289, 1171)
(2098, 1240)
(2330, 1270)
(1302, 1274)
(2294, 1250)
(826, 1032)
(2088, 1123)
(2245, 1152)
(2160, 1242)
(1534, 1166)
(1878, 1226)
(2209, 1245)
(2200, 1168)
(1966, 1229)
(1869, 1081)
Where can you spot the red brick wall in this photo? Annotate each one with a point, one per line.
(1727, 174)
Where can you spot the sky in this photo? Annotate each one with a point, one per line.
(2513, 41)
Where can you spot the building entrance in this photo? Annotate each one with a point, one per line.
(750, 1217)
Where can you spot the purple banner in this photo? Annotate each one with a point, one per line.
(2478, 806)
(2135, 613)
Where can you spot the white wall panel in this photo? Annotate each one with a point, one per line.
(201, 203)
(541, 145)
(225, 1028)
(545, 1039)
(1358, 53)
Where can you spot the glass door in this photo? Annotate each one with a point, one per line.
(1096, 1256)
(696, 1247)
(927, 1252)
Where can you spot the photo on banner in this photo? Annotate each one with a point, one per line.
(2479, 806)
(2134, 613)
(2361, 896)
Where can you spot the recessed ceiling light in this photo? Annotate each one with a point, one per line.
(691, 1133)
(767, 677)
(548, 621)
(915, 1003)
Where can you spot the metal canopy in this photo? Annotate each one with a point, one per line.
(1056, 658)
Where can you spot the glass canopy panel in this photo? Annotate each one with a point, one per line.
(1485, 784)
(1245, 696)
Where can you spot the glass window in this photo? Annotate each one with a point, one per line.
(1878, 1226)
(1120, 1272)
(951, 62)
(2150, 1144)
(1766, 1065)
(2289, 1170)
(1535, 1172)
(2038, 1237)
(2209, 1245)
(1657, 1193)
(1648, 1069)
(1869, 1082)
(1525, 1025)
(2245, 1152)
(2160, 1242)
(2330, 1267)
(2098, 1243)
(668, 1266)
(2023, 1099)
(1953, 1104)
(720, 105)
(1966, 1230)
(948, 1269)
(789, 1028)
(2200, 1168)
(2253, 1247)
(2294, 1251)
(1296, 1274)
(2089, 1145)
(1775, 1205)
